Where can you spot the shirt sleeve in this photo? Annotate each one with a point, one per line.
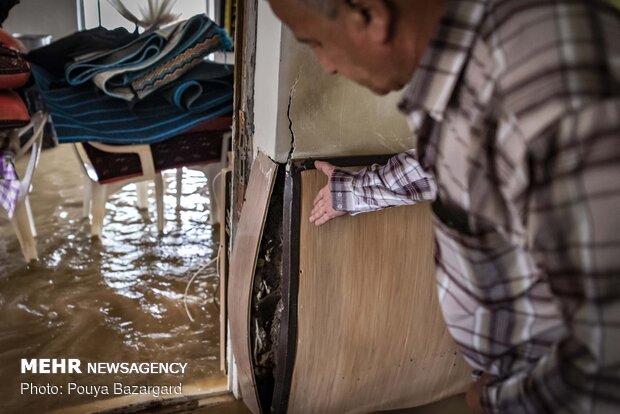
(574, 217)
(402, 181)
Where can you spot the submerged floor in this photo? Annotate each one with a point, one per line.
(116, 299)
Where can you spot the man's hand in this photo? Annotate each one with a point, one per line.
(323, 210)
(475, 393)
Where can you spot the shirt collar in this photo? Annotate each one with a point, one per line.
(438, 73)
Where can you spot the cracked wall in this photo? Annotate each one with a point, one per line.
(301, 112)
(331, 116)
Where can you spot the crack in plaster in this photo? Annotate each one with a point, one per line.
(288, 114)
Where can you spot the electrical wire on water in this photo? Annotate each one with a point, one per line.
(217, 271)
(191, 280)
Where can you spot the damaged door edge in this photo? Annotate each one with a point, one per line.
(290, 287)
(242, 274)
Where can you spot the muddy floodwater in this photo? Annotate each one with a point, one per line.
(114, 299)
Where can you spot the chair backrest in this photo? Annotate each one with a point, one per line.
(34, 144)
(143, 152)
(85, 162)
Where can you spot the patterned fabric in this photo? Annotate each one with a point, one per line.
(191, 148)
(153, 60)
(80, 114)
(402, 181)
(517, 108)
(170, 71)
(9, 183)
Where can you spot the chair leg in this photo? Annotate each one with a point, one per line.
(33, 228)
(143, 198)
(99, 199)
(21, 225)
(212, 171)
(179, 186)
(88, 195)
(159, 199)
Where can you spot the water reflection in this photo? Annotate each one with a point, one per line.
(119, 298)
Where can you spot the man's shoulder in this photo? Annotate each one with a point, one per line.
(552, 55)
(530, 23)
(510, 12)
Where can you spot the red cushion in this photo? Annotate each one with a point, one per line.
(10, 41)
(14, 69)
(13, 112)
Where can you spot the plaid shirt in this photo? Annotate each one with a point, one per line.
(516, 104)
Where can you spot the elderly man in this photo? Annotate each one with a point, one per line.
(516, 106)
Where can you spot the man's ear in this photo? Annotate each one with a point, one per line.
(373, 17)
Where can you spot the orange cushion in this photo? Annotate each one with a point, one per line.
(13, 112)
(14, 69)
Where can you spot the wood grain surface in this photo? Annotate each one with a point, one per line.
(242, 265)
(370, 331)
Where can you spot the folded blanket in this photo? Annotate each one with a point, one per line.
(82, 113)
(188, 92)
(153, 60)
(62, 52)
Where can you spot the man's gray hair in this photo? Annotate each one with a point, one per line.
(328, 8)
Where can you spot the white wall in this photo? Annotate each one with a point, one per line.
(59, 17)
(332, 116)
(55, 17)
(110, 18)
(303, 112)
(271, 91)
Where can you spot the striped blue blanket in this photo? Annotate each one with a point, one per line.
(82, 113)
(152, 61)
